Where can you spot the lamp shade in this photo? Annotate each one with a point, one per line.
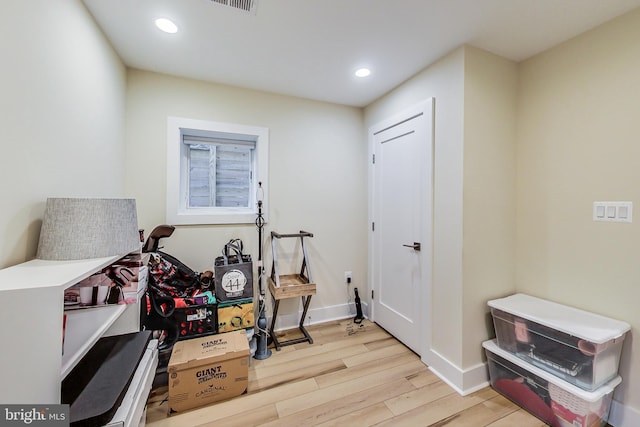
(83, 228)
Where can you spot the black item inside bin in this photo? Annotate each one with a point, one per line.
(95, 388)
(547, 348)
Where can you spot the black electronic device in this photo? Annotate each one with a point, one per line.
(359, 317)
(557, 362)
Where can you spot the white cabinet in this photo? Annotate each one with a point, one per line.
(32, 363)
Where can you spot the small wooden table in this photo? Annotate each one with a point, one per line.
(291, 286)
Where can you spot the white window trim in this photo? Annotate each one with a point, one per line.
(177, 211)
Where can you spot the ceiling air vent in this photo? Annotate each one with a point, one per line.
(244, 5)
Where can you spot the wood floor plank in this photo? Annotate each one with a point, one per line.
(369, 356)
(365, 417)
(249, 418)
(419, 397)
(381, 343)
(424, 378)
(333, 328)
(481, 414)
(347, 326)
(349, 332)
(294, 364)
(520, 418)
(236, 406)
(317, 348)
(327, 394)
(333, 331)
(359, 371)
(435, 411)
(302, 373)
(352, 375)
(344, 405)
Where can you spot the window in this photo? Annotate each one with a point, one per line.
(220, 172)
(213, 171)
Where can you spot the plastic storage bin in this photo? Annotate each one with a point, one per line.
(580, 347)
(546, 396)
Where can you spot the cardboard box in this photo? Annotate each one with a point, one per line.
(208, 369)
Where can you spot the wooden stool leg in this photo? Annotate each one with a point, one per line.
(306, 300)
(276, 304)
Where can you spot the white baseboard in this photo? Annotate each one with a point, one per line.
(317, 315)
(463, 381)
(623, 416)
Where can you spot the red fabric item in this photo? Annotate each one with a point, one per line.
(527, 398)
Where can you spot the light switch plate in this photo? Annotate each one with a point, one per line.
(613, 211)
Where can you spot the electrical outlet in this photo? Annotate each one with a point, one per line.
(347, 277)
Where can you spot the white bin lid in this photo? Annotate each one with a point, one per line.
(579, 323)
(589, 396)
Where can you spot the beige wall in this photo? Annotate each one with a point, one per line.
(474, 199)
(61, 116)
(489, 199)
(578, 142)
(317, 174)
(443, 80)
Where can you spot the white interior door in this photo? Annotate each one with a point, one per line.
(402, 218)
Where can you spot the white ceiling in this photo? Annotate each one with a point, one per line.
(310, 48)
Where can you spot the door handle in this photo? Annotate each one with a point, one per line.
(415, 246)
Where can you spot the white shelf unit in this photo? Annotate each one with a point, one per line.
(32, 363)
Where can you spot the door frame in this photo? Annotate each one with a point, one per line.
(426, 108)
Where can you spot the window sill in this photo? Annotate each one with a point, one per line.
(194, 217)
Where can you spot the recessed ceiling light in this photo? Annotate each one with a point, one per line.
(362, 72)
(166, 25)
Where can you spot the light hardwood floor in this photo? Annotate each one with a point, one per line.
(352, 375)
